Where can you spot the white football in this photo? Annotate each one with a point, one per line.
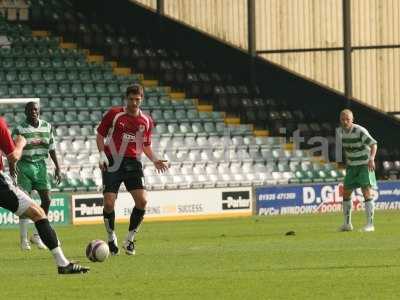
(97, 251)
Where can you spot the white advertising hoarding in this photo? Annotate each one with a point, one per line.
(169, 205)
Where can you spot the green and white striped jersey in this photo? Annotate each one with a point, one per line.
(356, 145)
(39, 141)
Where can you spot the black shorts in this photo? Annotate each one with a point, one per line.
(130, 172)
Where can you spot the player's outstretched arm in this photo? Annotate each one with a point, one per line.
(20, 143)
(160, 164)
(13, 157)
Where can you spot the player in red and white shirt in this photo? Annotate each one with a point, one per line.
(16, 201)
(122, 136)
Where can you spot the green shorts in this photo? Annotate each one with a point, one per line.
(359, 177)
(33, 176)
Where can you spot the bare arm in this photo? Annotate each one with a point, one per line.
(372, 154)
(103, 161)
(100, 142)
(374, 148)
(14, 156)
(161, 165)
(53, 156)
(149, 153)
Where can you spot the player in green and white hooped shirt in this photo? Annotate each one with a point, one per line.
(31, 170)
(360, 150)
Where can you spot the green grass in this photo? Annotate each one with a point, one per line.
(245, 258)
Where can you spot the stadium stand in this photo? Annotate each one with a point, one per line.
(207, 148)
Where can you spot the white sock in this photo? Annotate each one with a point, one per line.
(110, 233)
(59, 257)
(369, 211)
(131, 235)
(347, 211)
(111, 236)
(23, 228)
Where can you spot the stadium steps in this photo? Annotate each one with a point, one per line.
(127, 72)
(41, 33)
(95, 58)
(196, 129)
(205, 108)
(150, 83)
(122, 71)
(65, 45)
(260, 132)
(175, 96)
(232, 121)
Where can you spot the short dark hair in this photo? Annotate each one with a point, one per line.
(135, 89)
(29, 105)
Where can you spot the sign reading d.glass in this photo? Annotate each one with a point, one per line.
(88, 207)
(235, 200)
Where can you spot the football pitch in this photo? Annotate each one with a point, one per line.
(243, 258)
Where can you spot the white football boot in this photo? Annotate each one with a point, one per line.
(35, 239)
(129, 247)
(368, 228)
(25, 246)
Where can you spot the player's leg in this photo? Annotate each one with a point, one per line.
(49, 238)
(45, 204)
(41, 183)
(367, 182)
(45, 200)
(25, 183)
(134, 183)
(369, 209)
(37, 215)
(349, 184)
(23, 233)
(111, 184)
(347, 206)
(109, 221)
(18, 202)
(136, 218)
